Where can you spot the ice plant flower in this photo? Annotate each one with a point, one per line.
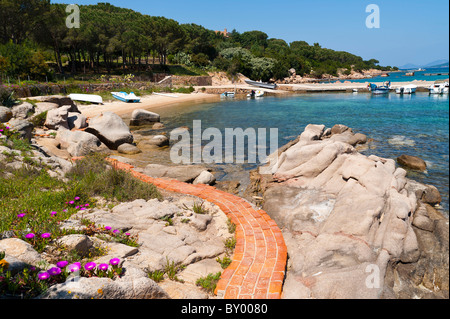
(53, 213)
(43, 276)
(75, 267)
(87, 205)
(77, 198)
(30, 235)
(55, 271)
(90, 266)
(116, 231)
(127, 234)
(62, 264)
(71, 202)
(103, 267)
(108, 228)
(46, 235)
(21, 215)
(114, 261)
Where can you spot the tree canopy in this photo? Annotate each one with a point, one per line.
(109, 37)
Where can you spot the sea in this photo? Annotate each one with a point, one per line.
(400, 76)
(416, 124)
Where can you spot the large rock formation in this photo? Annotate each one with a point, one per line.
(347, 219)
(110, 129)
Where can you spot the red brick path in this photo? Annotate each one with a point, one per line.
(259, 261)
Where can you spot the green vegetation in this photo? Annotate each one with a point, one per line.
(35, 42)
(209, 283)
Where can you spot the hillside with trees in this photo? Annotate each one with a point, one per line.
(35, 42)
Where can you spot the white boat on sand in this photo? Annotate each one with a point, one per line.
(92, 98)
(125, 97)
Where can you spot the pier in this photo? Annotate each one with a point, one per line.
(434, 74)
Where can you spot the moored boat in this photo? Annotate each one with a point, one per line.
(380, 89)
(256, 94)
(125, 97)
(228, 94)
(407, 89)
(263, 85)
(92, 98)
(439, 88)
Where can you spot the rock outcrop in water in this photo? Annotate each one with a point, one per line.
(355, 226)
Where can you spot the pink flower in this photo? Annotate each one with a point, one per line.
(46, 235)
(103, 267)
(75, 267)
(53, 213)
(108, 228)
(30, 235)
(43, 276)
(114, 261)
(21, 215)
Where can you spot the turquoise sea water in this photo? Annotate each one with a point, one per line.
(401, 76)
(415, 125)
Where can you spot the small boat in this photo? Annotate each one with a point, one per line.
(166, 94)
(228, 94)
(256, 94)
(407, 89)
(92, 98)
(125, 97)
(263, 85)
(439, 88)
(355, 90)
(446, 87)
(382, 89)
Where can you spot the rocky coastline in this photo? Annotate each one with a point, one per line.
(345, 217)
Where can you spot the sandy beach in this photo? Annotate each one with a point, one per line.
(148, 102)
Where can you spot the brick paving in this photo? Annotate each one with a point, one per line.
(259, 262)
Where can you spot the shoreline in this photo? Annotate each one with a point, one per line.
(148, 102)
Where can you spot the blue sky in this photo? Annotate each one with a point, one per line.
(413, 31)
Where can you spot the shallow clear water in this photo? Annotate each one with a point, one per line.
(415, 125)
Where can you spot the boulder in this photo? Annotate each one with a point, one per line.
(185, 173)
(21, 250)
(343, 213)
(5, 114)
(24, 128)
(143, 117)
(206, 178)
(57, 118)
(158, 126)
(158, 140)
(79, 143)
(110, 129)
(431, 195)
(129, 149)
(412, 162)
(135, 284)
(22, 111)
(81, 244)
(76, 121)
(41, 107)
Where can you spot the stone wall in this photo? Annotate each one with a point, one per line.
(192, 80)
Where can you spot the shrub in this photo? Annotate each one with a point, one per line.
(209, 283)
(95, 178)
